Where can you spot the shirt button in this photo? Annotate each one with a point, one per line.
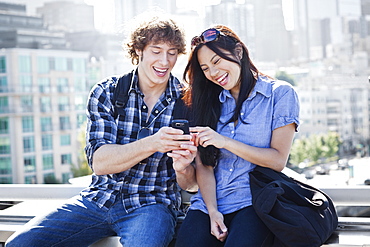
(242, 114)
(156, 111)
(231, 170)
(232, 132)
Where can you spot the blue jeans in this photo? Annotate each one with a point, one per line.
(244, 229)
(80, 222)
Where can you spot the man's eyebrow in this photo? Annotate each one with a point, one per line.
(159, 47)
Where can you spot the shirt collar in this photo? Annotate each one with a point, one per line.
(173, 90)
(262, 86)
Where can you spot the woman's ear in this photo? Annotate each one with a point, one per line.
(239, 51)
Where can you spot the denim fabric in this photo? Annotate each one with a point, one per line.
(272, 104)
(244, 229)
(80, 222)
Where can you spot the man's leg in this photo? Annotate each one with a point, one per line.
(76, 223)
(148, 226)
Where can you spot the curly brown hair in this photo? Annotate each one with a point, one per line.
(155, 30)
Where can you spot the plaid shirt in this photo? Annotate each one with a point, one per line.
(143, 184)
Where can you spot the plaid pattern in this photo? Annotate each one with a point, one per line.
(143, 184)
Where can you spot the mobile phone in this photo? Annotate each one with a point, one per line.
(181, 124)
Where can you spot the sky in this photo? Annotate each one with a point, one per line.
(105, 20)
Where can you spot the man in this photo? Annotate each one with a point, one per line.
(134, 191)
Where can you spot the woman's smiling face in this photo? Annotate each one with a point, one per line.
(218, 70)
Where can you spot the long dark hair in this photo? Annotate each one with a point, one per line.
(203, 95)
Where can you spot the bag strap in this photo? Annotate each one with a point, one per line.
(120, 98)
(120, 93)
(282, 180)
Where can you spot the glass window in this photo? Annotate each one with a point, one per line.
(64, 123)
(51, 63)
(65, 140)
(69, 64)
(49, 178)
(46, 124)
(44, 85)
(45, 104)
(28, 144)
(79, 65)
(25, 82)
(5, 165)
(3, 84)
(2, 64)
(80, 102)
(27, 103)
(61, 64)
(27, 124)
(66, 159)
(63, 103)
(80, 84)
(25, 64)
(62, 84)
(4, 145)
(43, 65)
(30, 179)
(6, 180)
(65, 177)
(47, 162)
(81, 119)
(4, 105)
(4, 125)
(29, 164)
(47, 142)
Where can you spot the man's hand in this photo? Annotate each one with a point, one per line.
(168, 139)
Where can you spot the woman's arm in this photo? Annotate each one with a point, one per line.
(207, 186)
(274, 157)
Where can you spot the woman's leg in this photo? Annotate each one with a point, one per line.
(76, 223)
(246, 229)
(195, 231)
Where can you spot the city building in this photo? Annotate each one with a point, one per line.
(43, 92)
(67, 16)
(338, 103)
(42, 107)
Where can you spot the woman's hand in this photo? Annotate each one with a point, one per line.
(218, 228)
(206, 136)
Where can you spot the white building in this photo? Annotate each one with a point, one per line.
(43, 97)
(336, 103)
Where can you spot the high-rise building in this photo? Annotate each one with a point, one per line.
(43, 93)
(273, 42)
(67, 16)
(239, 17)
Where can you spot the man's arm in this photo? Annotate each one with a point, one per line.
(115, 158)
(182, 164)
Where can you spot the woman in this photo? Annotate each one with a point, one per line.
(243, 119)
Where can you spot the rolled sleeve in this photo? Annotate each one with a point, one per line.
(101, 125)
(286, 107)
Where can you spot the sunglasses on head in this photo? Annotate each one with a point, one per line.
(209, 35)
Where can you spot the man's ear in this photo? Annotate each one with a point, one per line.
(139, 52)
(239, 51)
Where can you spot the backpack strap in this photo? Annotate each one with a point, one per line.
(120, 94)
(120, 98)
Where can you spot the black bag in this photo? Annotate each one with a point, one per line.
(296, 213)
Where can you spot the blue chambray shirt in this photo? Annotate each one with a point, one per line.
(272, 104)
(143, 184)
